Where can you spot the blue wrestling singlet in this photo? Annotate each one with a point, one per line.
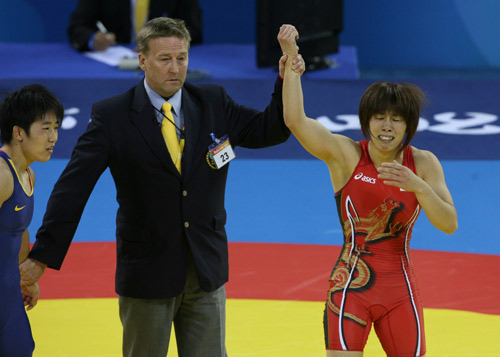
(15, 216)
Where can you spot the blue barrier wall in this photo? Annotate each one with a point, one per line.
(387, 33)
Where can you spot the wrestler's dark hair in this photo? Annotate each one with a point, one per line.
(161, 27)
(403, 99)
(25, 106)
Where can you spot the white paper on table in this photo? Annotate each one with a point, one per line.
(112, 55)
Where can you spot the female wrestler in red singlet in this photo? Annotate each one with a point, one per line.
(381, 185)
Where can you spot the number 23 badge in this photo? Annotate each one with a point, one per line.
(220, 152)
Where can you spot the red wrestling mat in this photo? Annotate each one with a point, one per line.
(458, 281)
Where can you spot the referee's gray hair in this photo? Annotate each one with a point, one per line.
(161, 27)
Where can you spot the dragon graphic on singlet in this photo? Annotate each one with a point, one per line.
(378, 224)
(368, 230)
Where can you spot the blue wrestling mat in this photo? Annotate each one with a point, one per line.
(291, 201)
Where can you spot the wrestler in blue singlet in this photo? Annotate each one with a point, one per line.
(15, 216)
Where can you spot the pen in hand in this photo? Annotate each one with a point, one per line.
(103, 39)
(101, 27)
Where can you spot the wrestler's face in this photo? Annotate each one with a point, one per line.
(38, 144)
(165, 65)
(387, 131)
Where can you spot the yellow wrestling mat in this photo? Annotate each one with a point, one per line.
(260, 328)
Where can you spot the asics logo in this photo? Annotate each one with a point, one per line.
(19, 208)
(365, 178)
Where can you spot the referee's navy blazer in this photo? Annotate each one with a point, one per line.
(161, 215)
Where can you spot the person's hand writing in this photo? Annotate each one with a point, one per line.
(30, 295)
(103, 40)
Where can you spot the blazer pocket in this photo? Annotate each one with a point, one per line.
(220, 220)
(134, 244)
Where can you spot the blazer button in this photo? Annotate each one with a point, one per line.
(184, 193)
(186, 224)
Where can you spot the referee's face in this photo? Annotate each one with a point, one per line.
(165, 65)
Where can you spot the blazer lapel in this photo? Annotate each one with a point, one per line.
(144, 119)
(192, 122)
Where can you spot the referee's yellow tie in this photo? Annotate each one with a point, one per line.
(169, 133)
(141, 13)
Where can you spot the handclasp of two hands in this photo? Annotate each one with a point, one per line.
(31, 270)
(287, 37)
